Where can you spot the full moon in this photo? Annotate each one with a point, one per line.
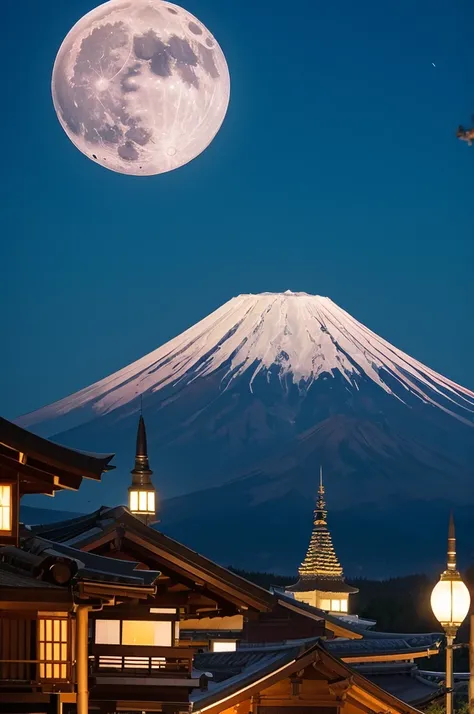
(140, 87)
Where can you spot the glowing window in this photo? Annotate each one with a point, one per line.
(107, 632)
(6, 508)
(325, 604)
(53, 647)
(147, 633)
(224, 646)
(343, 605)
(336, 605)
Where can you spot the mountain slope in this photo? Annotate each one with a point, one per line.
(248, 402)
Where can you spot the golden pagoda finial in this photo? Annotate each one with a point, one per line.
(320, 513)
(321, 560)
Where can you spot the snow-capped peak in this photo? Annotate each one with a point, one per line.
(287, 336)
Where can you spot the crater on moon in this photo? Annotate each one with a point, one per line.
(141, 87)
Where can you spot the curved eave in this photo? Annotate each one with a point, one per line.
(326, 585)
(53, 455)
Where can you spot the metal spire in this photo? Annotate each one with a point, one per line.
(451, 544)
(141, 472)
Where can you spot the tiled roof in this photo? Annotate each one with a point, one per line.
(232, 670)
(82, 530)
(12, 578)
(402, 680)
(385, 645)
(52, 454)
(329, 585)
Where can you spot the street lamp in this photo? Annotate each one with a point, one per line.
(450, 601)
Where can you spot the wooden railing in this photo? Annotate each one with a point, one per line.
(28, 672)
(134, 660)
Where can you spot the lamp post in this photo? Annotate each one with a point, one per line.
(450, 601)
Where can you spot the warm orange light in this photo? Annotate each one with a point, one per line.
(141, 501)
(450, 601)
(6, 508)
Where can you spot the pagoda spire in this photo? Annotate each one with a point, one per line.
(321, 580)
(321, 560)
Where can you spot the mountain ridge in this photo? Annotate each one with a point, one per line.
(244, 406)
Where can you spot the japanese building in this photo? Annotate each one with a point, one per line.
(105, 613)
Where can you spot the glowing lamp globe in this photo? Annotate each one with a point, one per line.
(140, 86)
(450, 600)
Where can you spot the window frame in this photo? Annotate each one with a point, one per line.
(44, 662)
(10, 537)
(133, 618)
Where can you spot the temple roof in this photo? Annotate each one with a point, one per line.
(403, 680)
(43, 565)
(84, 531)
(327, 585)
(237, 675)
(43, 466)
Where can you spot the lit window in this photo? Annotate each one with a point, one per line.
(336, 605)
(107, 632)
(325, 604)
(224, 646)
(343, 605)
(163, 610)
(6, 508)
(53, 647)
(147, 633)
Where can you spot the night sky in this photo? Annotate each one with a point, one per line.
(336, 172)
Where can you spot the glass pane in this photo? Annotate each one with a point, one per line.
(220, 646)
(5, 507)
(107, 632)
(336, 605)
(49, 630)
(133, 501)
(147, 633)
(41, 630)
(49, 671)
(343, 605)
(63, 671)
(56, 630)
(151, 501)
(49, 651)
(42, 671)
(63, 630)
(325, 604)
(142, 500)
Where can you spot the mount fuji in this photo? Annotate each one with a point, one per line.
(243, 407)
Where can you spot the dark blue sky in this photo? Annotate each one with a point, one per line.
(336, 172)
